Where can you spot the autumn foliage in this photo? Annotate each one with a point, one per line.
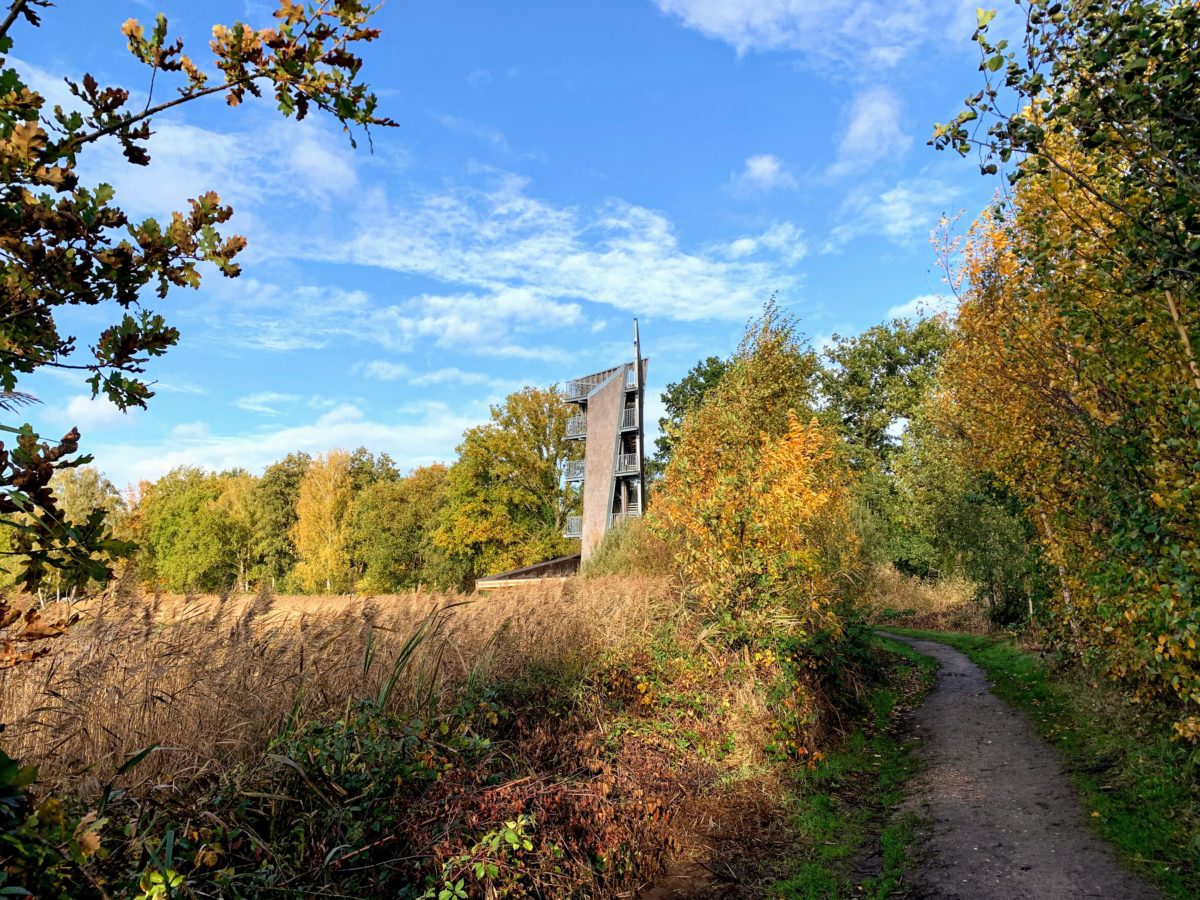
(756, 497)
(1082, 396)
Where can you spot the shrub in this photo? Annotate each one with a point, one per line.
(632, 548)
(756, 499)
(950, 604)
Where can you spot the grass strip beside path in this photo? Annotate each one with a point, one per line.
(1139, 786)
(853, 841)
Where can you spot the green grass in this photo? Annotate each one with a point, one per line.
(844, 807)
(1125, 766)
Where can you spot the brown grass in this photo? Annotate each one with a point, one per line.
(893, 598)
(210, 679)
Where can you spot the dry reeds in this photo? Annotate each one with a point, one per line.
(948, 604)
(210, 679)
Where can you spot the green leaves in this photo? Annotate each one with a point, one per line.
(67, 246)
(1077, 372)
(873, 381)
(505, 504)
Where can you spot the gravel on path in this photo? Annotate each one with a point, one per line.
(1002, 819)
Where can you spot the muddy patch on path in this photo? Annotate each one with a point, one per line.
(1001, 817)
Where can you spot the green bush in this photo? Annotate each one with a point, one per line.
(631, 548)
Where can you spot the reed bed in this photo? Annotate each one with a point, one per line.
(209, 680)
(948, 604)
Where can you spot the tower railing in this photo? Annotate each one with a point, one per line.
(577, 426)
(629, 418)
(574, 527)
(627, 464)
(574, 469)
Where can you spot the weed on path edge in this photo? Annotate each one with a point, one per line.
(853, 836)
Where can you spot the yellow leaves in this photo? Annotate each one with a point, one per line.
(290, 12)
(322, 528)
(133, 30)
(1188, 729)
(1065, 383)
(87, 834)
(207, 857)
(752, 510)
(27, 140)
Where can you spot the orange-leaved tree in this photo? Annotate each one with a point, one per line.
(756, 496)
(1072, 378)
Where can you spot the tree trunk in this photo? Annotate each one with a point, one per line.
(1184, 340)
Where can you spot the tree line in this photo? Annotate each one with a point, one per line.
(343, 521)
(346, 521)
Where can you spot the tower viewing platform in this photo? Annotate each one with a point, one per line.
(610, 423)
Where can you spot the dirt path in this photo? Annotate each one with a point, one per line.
(1003, 818)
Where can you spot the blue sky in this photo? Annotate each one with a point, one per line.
(559, 168)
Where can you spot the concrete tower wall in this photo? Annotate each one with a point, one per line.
(604, 405)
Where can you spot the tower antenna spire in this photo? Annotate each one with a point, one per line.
(641, 422)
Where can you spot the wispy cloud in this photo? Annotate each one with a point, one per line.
(873, 133)
(409, 439)
(524, 260)
(479, 77)
(450, 375)
(265, 402)
(89, 413)
(508, 323)
(921, 307)
(855, 35)
(381, 370)
(760, 174)
(477, 130)
(782, 239)
(904, 213)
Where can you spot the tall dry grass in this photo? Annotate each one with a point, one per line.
(211, 679)
(949, 604)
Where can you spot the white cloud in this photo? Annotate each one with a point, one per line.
(507, 268)
(477, 130)
(450, 375)
(786, 240)
(762, 173)
(853, 34)
(743, 246)
(823, 342)
(425, 433)
(178, 387)
(904, 213)
(381, 370)
(924, 306)
(511, 323)
(782, 239)
(874, 133)
(519, 263)
(292, 165)
(266, 402)
(86, 413)
(479, 77)
(191, 431)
